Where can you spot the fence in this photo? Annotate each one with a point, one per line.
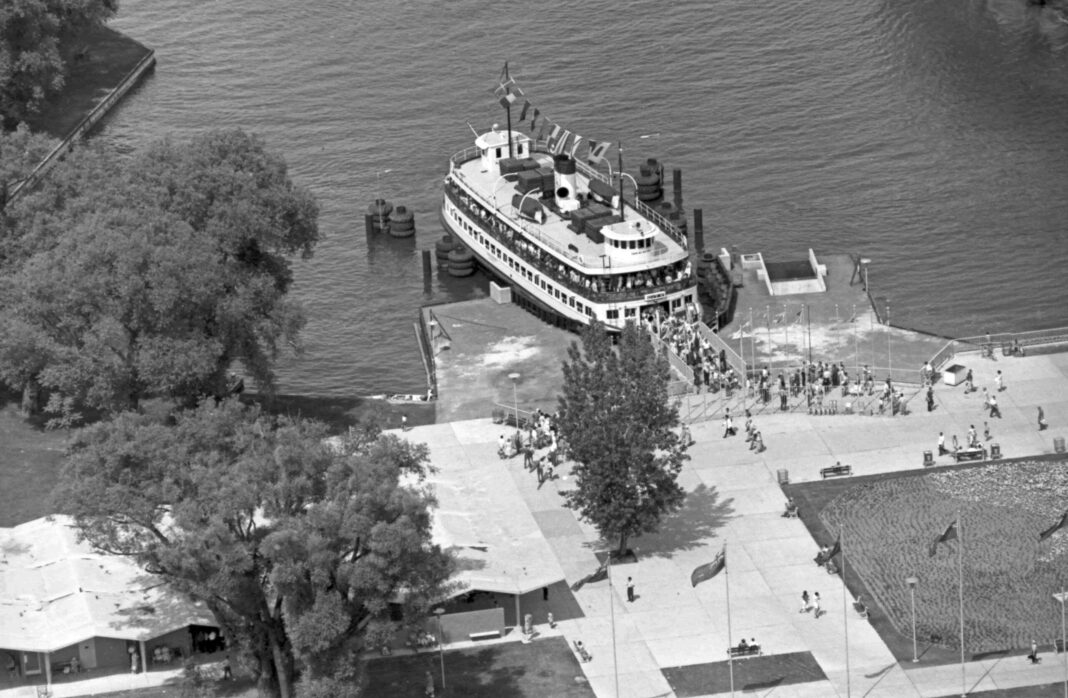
(1005, 340)
(719, 345)
(84, 126)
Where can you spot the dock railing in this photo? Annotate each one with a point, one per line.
(998, 342)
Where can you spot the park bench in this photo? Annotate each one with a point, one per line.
(969, 454)
(484, 635)
(860, 608)
(582, 652)
(744, 652)
(836, 471)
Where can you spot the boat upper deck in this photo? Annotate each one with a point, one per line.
(622, 249)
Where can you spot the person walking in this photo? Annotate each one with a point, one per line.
(930, 399)
(995, 411)
(973, 438)
(816, 604)
(1035, 659)
(805, 604)
(941, 443)
(630, 589)
(1042, 420)
(999, 381)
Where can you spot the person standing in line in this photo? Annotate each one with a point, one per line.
(941, 443)
(816, 604)
(804, 602)
(630, 589)
(973, 438)
(999, 381)
(728, 423)
(1042, 420)
(969, 386)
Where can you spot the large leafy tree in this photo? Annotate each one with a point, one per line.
(298, 546)
(151, 276)
(32, 33)
(622, 433)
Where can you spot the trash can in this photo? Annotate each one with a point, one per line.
(1058, 444)
(784, 476)
(928, 459)
(995, 451)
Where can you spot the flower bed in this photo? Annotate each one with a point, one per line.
(1009, 576)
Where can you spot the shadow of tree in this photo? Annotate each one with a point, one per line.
(690, 527)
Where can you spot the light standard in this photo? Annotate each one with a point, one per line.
(515, 399)
(439, 612)
(1061, 596)
(912, 582)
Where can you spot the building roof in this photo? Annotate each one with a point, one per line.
(482, 517)
(56, 591)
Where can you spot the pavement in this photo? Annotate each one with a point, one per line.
(735, 501)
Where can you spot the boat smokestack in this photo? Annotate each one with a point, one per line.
(564, 180)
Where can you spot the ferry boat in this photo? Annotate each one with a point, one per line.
(561, 234)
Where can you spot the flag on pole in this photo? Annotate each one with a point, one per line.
(597, 151)
(507, 99)
(597, 576)
(575, 146)
(554, 133)
(702, 573)
(835, 549)
(949, 534)
(1054, 528)
(523, 111)
(507, 91)
(534, 119)
(558, 145)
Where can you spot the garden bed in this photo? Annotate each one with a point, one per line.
(889, 521)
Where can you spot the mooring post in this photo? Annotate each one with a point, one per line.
(698, 230)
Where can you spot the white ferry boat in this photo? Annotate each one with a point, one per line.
(558, 232)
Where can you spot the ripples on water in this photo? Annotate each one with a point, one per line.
(929, 136)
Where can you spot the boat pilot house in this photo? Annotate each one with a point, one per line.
(567, 241)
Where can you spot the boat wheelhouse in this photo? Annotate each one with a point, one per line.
(562, 236)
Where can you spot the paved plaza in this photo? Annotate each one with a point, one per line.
(735, 500)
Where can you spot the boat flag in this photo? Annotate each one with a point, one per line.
(507, 90)
(949, 534)
(553, 134)
(523, 111)
(575, 146)
(561, 145)
(507, 99)
(702, 573)
(534, 119)
(597, 151)
(1054, 528)
(599, 575)
(558, 140)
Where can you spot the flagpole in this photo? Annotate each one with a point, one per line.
(771, 362)
(612, 613)
(622, 205)
(730, 642)
(960, 587)
(845, 608)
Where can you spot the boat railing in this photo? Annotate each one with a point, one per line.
(561, 276)
(463, 156)
(663, 223)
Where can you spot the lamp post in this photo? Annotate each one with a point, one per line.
(1062, 596)
(912, 582)
(515, 399)
(439, 612)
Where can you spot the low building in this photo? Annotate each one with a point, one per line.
(60, 600)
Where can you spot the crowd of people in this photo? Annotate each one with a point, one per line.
(536, 439)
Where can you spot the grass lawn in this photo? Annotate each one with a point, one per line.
(29, 464)
(889, 521)
(542, 668)
(97, 61)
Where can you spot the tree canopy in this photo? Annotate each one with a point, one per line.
(147, 276)
(298, 546)
(622, 433)
(31, 34)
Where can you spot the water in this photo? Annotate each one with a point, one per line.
(928, 136)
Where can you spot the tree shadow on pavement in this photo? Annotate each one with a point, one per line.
(691, 527)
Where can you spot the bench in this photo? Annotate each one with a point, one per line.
(860, 608)
(581, 651)
(743, 652)
(969, 454)
(836, 471)
(484, 635)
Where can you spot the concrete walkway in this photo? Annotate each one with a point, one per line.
(734, 500)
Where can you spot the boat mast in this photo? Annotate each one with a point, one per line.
(619, 172)
(508, 111)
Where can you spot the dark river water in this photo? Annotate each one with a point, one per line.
(930, 136)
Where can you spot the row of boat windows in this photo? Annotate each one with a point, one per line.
(538, 280)
(640, 244)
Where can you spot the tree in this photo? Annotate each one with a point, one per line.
(299, 547)
(152, 277)
(31, 35)
(622, 433)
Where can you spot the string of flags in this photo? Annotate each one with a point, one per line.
(557, 139)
